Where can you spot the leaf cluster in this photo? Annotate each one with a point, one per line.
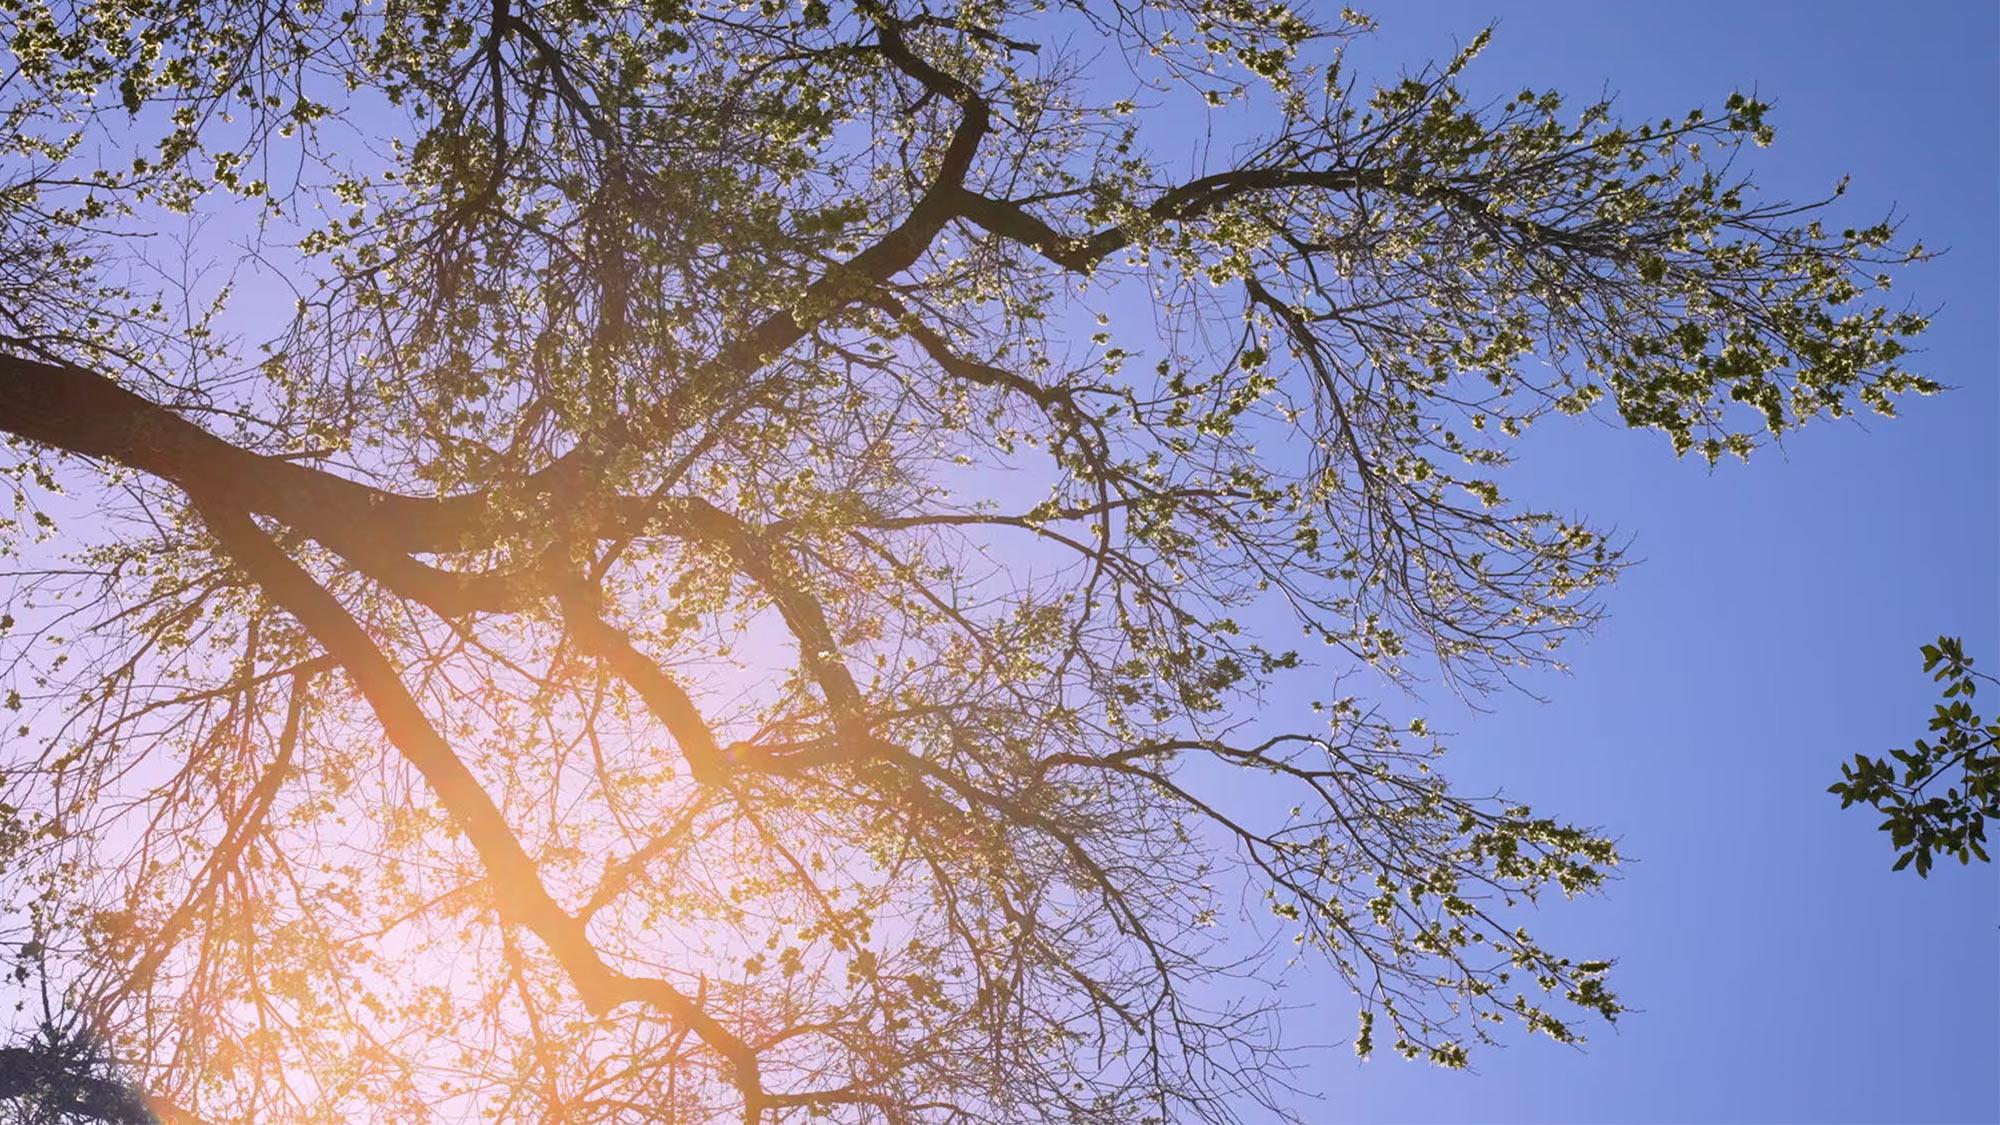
(1962, 755)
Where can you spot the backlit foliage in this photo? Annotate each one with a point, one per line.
(770, 563)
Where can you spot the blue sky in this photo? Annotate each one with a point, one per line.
(1782, 972)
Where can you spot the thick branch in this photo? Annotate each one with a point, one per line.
(663, 696)
(511, 872)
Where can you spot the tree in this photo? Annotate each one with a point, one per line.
(752, 582)
(1922, 825)
(59, 1076)
(60, 1073)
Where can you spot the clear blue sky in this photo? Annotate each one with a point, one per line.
(1784, 974)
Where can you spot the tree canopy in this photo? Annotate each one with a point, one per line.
(774, 562)
(61, 1075)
